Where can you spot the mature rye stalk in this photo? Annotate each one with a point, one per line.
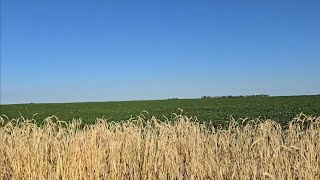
(150, 149)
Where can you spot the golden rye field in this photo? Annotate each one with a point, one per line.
(149, 149)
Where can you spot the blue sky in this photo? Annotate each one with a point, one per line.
(71, 51)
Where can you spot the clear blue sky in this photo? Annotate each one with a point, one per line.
(66, 51)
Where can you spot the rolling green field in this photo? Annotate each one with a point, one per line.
(281, 109)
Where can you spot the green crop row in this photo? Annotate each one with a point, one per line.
(281, 109)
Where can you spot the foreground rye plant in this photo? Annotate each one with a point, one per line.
(150, 149)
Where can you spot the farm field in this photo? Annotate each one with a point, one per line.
(280, 109)
(286, 146)
(152, 149)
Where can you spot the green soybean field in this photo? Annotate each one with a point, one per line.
(217, 110)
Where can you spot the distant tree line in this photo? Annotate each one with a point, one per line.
(173, 99)
(240, 96)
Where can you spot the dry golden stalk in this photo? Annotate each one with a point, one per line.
(150, 149)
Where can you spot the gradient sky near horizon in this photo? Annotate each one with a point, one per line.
(73, 51)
